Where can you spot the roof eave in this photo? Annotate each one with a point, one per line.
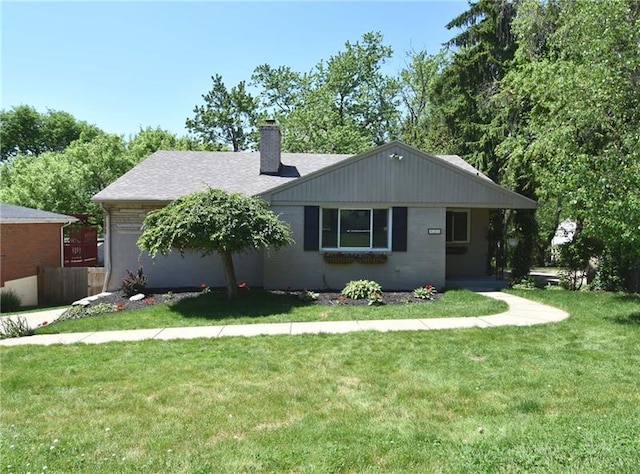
(143, 202)
(37, 221)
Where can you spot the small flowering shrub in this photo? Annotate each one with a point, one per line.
(120, 305)
(134, 283)
(426, 292)
(375, 299)
(168, 296)
(361, 289)
(148, 301)
(204, 288)
(307, 295)
(340, 300)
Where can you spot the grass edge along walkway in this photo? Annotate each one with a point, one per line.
(522, 312)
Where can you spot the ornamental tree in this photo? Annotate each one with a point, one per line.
(214, 221)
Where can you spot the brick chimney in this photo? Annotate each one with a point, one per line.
(270, 147)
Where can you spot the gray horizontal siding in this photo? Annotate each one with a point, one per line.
(417, 178)
(174, 270)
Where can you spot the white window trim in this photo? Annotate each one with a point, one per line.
(468, 239)
(358, 249)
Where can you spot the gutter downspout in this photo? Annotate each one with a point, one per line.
(107, 247)
(61, 258)
(62, 242)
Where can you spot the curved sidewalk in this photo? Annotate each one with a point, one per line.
(521, 312)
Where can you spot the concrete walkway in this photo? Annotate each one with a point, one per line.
(36, 319)
(522, 312)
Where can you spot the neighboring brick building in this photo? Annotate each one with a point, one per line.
(29, 238)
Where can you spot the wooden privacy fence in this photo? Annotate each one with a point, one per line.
(65, 285)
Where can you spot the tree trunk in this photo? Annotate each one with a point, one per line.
(230, 274)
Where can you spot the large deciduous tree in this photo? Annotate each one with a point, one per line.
(572, 105)
(214, 221)
(149, 140)
(25, 131)
(346, 104)
(65, 182)
(417, 81)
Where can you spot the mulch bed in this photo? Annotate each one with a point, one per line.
(388, 298)
(151, 296)
(164, 295)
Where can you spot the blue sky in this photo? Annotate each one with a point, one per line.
(127, 65)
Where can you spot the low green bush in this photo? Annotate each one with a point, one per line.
(361, 289)
(9, 301)
(78, 312)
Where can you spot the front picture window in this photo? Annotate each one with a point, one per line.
(355, 228)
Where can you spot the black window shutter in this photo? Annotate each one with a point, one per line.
(311, 227)
(399, 229)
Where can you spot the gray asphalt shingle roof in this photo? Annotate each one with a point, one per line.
(460, 163)
(167, 175)
(13, 213)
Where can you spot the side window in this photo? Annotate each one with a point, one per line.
(458, 226)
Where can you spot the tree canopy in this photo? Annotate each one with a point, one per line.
(25, 131)
(571, 105)
(345, 104)
(65, 181)
(214, 221)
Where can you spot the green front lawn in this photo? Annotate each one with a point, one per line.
(258, 306)
(557, 398)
